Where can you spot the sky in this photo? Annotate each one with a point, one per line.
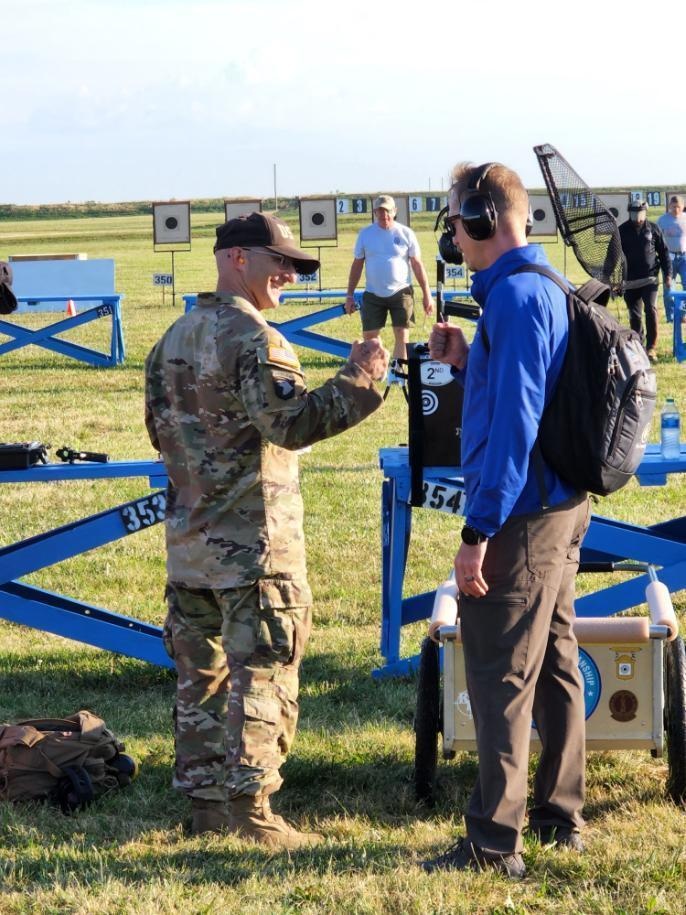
(116, 100)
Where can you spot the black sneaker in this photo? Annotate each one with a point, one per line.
(559, 837)
(465, 856)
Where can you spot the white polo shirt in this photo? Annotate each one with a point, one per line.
(386, 254)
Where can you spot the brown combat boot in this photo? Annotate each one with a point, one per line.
(209, 816)
(252, 818)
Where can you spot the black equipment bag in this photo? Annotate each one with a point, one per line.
(8, 300)
(435, 416)
(594, 430)
(22, 455)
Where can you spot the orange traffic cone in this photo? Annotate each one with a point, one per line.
(71, 308)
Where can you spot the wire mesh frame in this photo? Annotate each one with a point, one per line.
(584, 221)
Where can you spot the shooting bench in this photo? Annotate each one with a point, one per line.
(662, 545)
(295, 329)
(65, 616)
(48, 284)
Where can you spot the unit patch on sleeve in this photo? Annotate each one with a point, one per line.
(284, 388)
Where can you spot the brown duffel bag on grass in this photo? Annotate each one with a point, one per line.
(67, 761)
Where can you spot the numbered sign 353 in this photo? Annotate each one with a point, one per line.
(163, 279)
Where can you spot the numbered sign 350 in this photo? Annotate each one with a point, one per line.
(163, 279)
(144, 512)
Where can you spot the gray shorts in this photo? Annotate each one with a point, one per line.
(375, 308)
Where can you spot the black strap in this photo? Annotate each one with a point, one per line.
(536, 457)
(416, 429)
(75, 790)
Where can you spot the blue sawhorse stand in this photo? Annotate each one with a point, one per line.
(46, 337)
(294, 330)
(662, 545)
(65, 616)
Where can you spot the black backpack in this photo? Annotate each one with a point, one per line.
(593, 433)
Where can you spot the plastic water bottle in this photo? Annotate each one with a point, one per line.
(670, 429)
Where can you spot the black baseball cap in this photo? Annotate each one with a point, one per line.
(257, 230)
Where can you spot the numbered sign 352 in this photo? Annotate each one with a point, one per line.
(307, 277)
(163, 279)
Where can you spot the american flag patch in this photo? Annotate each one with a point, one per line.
(281, 356)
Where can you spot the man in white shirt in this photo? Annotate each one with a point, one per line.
(387, 250)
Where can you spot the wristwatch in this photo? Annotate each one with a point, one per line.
(471, 536)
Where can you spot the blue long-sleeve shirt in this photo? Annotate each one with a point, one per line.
(507, 385)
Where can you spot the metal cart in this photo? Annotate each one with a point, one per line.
(634, 674)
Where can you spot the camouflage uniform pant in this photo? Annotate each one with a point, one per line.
(237, 654)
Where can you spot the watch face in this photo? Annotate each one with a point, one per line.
(471, 536)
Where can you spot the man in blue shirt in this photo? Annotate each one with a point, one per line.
(520, 545)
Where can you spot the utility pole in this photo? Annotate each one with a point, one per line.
(276, 199)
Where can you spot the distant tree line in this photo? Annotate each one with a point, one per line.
(130, 208)
(201, 204)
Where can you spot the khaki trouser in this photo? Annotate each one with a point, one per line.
(237, 654)
(521, 660)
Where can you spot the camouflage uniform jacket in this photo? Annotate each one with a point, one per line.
(225, 405)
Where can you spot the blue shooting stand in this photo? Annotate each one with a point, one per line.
(662, 545)
(46, 284)
(65, 616)
(46, 337)
(294, 329)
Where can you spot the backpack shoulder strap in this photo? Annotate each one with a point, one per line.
(543, 271)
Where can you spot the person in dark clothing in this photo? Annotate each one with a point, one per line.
(646, 253)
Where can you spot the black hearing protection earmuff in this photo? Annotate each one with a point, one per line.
(478, 214)
(449, 252)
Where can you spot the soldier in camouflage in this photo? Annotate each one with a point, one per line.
(227, 407)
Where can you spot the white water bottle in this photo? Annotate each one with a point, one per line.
(670, 429)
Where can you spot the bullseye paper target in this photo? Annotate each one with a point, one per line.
(618, 205)
(543, 215)
(241, 206)
(171, 222)
(318, 220)
(429, 402)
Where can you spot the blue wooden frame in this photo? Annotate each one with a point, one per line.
(46, 337)
(294, 330)
(65, 616)
(662, 545)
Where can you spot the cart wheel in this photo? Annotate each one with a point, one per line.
(675, 719)
(427, 722)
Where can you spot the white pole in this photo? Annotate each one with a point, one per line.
(276, 199)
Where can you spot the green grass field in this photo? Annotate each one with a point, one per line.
(350, 774)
